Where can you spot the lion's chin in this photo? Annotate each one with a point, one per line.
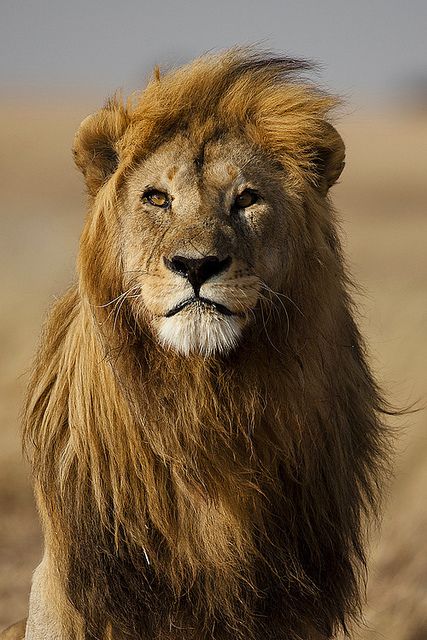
(201, 331)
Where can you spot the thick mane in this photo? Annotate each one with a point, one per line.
(202, 493)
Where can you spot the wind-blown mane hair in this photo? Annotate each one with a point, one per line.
(221, 497)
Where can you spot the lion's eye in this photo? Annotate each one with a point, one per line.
(246, 199)
(156, 198)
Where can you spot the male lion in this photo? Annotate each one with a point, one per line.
(204, 432)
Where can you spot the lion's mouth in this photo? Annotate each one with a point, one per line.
(200, 302)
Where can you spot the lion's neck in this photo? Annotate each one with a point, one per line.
(192, 483)
(177, 465)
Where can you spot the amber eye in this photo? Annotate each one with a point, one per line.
(156, 198)
(246, 199)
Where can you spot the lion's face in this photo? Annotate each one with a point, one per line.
(203, 235)
(201, 190)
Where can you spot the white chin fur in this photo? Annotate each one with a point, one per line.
(200, 331)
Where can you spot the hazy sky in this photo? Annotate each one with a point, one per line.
(366, 47)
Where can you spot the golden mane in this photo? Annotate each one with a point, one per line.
(220, 497)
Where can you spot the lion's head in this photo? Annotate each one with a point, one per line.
(203, 428)
(210, 171)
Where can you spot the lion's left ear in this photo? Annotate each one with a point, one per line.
(329, 158)
(95, 144)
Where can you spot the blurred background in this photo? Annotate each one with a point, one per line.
(59, 60)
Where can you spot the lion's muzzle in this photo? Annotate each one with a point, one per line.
(197, 270)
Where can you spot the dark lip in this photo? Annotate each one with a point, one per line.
(210, 303)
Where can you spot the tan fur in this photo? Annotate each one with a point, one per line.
(15, 632)
(206, 484)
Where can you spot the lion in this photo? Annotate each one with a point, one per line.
(206, 437)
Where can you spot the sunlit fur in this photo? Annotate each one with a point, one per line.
(206, 496)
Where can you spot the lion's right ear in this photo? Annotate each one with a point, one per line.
(95, 144)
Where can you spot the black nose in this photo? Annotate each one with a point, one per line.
(197, 270)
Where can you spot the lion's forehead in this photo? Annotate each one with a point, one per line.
(181, 165)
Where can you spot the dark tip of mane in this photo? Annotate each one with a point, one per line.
(280, 65)
(275, 69)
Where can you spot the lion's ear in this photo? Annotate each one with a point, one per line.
(95, 144)
(329, 158)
